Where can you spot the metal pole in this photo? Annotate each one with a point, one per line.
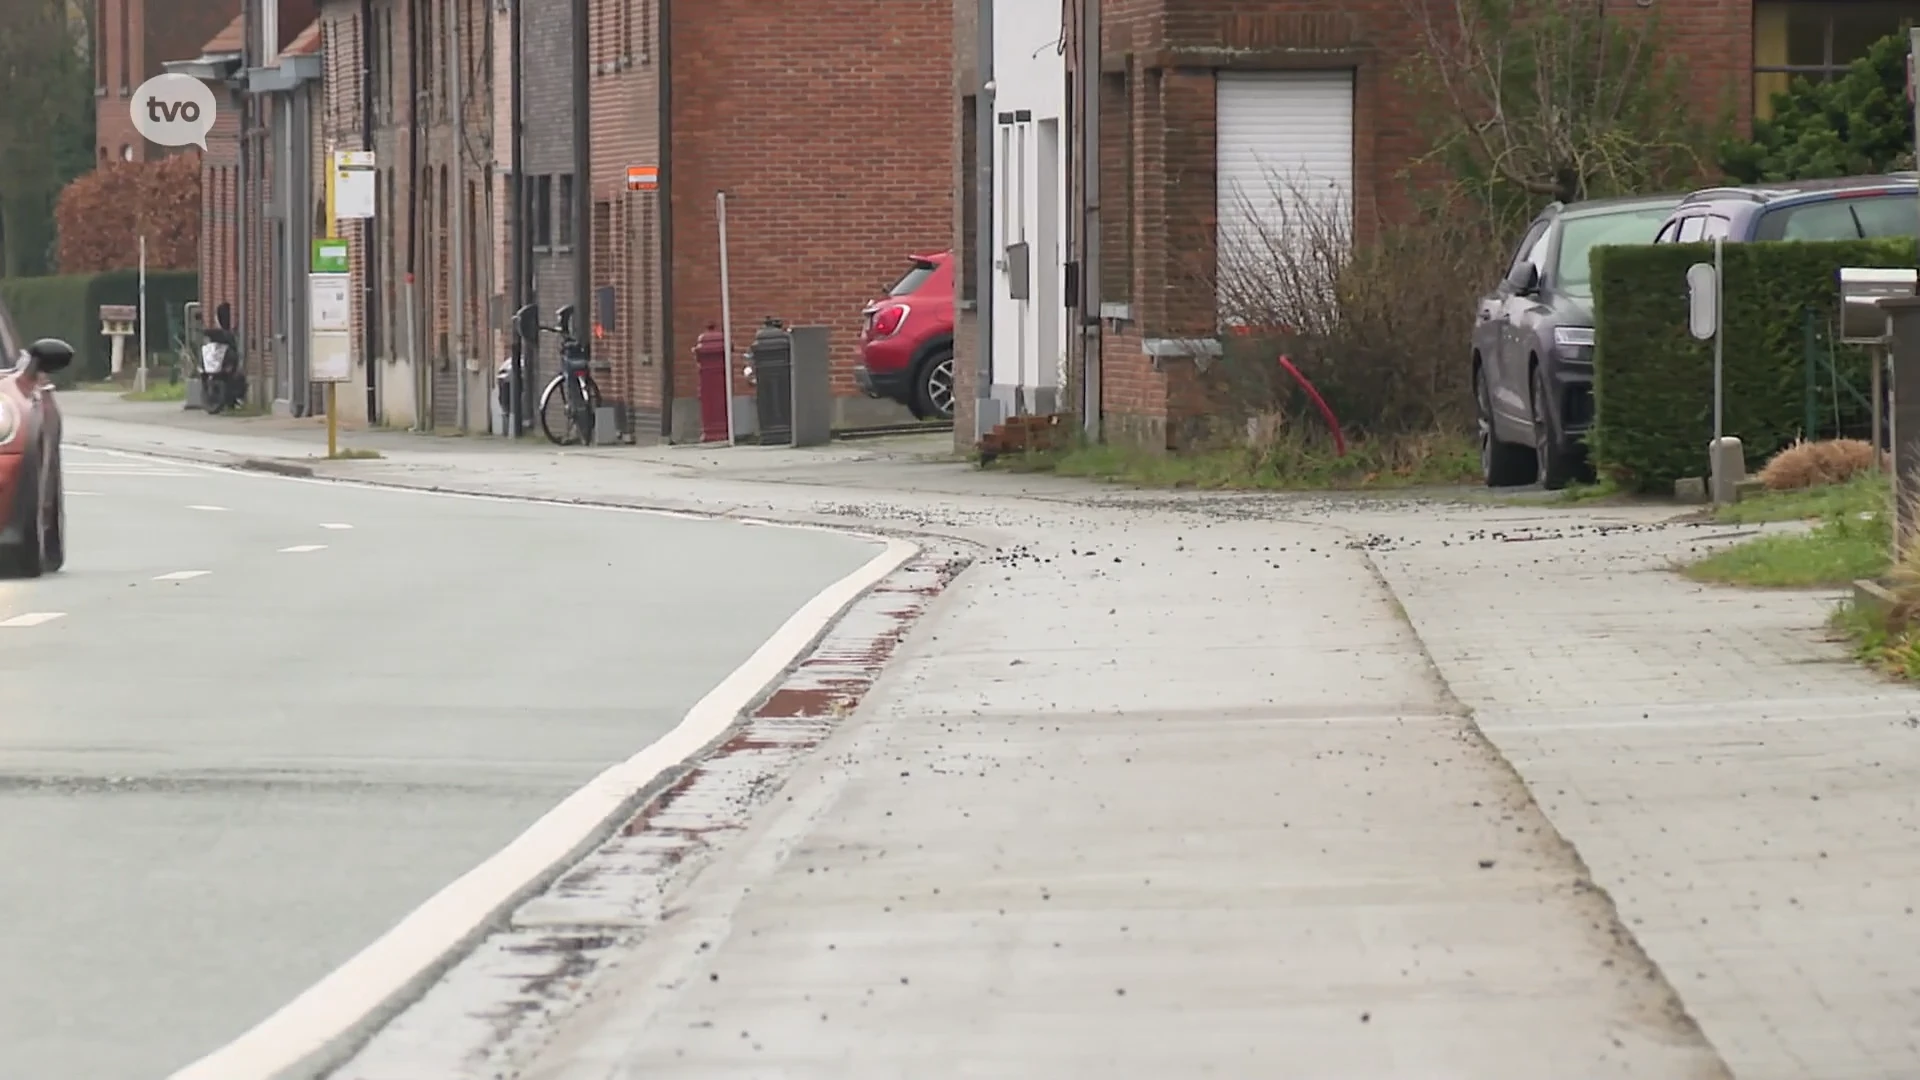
(140, 373)
(370, 304)
(517, 377)
(332, 223)
(985, 165)
(1719, 339)
(726, 310)
(457, 203)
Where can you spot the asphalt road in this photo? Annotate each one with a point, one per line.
(257, 720)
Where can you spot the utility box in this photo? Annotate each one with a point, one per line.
(812, 386)
(1903, 322)
(1862, 321)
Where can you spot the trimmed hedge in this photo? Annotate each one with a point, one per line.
(68, 307)
(1653, 382)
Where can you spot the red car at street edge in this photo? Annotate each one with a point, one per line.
(33, 511)
(906, 340)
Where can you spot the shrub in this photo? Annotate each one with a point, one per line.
(1653, 382)
(1859, 123)
(68, 307)
(102, 215)
(1817, 463)
(1380, 327)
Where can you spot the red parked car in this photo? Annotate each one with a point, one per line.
(906, 340)
(33, 520)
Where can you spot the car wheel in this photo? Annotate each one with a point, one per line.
(1503, 464)
(1555, 464)
(53, 546)
(933, 387)
(27, 559)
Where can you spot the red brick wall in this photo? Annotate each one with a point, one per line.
(624, 106)
(830, 130)
(219, 213)
(156, 31)
(339, 129)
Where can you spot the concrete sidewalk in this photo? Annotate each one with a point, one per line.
(1208, 809)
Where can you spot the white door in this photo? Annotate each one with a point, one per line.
(1284, 168)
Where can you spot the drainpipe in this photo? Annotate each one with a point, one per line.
(517, 214)
(457, 209)
(985, 164)
(414, 56)
(663, 212)
(370, 266)
(1090, 275)
(582, 167)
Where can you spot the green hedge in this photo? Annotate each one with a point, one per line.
(1653, 382)
(68, 307)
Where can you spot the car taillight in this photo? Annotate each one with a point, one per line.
(888, 320)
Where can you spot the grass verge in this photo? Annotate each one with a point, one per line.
(355, 453)
(166, 391)
(1840, 550)
(1876, 644)
(1289, 465)
(1864, 494)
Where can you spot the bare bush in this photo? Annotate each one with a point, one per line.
(1380, 325)
(1817, 463)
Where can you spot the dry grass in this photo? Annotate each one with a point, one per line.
(1817, 464)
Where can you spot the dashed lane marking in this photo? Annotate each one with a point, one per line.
(183, 575)
(31, 618)
(209, 509)
(299, 549)
(334, 525)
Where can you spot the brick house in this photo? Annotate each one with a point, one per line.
(1196, 96)
(831, 144)
(133, 40)
(546, 102)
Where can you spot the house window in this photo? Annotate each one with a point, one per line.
(563, 214)
(540, 212)
(1816, 39)
(1116, 189)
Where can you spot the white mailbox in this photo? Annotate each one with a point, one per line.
(1861, 290)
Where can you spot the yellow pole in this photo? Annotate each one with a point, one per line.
(333, 232)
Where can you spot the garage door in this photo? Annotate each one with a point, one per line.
(1285, 155)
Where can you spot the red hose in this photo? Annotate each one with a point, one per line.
(1333, 422)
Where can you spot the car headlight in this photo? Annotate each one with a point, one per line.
(1573, 337)
(9, 421)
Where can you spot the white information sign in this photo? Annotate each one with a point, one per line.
(355, 192)
(330, 328)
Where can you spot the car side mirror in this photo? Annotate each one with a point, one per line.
(48, 355)
(1524, 278)
(526, 322)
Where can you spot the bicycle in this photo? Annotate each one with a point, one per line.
(573, 390)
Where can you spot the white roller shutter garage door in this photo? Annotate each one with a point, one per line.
(1284, 154)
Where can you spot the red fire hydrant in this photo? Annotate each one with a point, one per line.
(710, 353)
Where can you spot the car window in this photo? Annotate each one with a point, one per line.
(1692, 229)
(913, 279)
(1537, 251)
(1525, 251)
(1580, 235)
(1888, 215)
(1829, 219)
(1719, 227)
(1667, 233)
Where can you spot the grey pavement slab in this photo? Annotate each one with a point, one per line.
(1739, 790)
(214, 789)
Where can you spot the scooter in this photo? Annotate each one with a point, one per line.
(220, 376)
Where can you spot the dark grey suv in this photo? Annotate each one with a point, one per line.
(1533, 341)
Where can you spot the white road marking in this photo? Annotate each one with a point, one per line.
(31, 618)
(183, 575)
(300, 549)
(390, 971)
(209, 509)
(83, 493)
(106, 469)
(334, 525)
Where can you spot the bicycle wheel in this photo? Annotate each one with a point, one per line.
(586, 404)
(554, 418)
